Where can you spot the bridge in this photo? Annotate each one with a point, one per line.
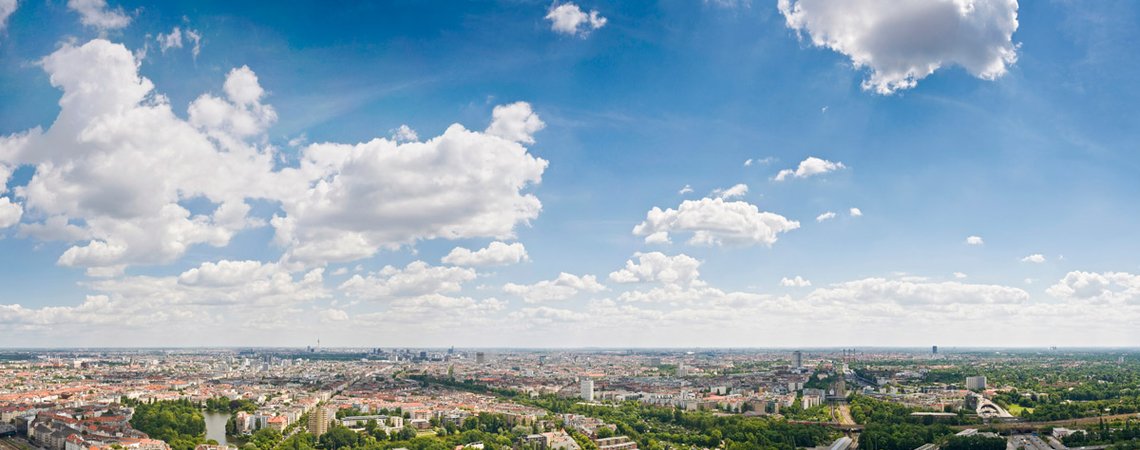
(832, 425)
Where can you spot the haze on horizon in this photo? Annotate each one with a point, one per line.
(702, 174)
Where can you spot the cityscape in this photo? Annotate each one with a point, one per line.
(569, 225)
(837, 399)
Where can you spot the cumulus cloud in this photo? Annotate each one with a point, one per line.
(10, 213)
(333, 315)
(809, 167)
(1035, 258)
(713, 221)
(903, 41)
(96, 14)
(114, 172)
(561, 288)
(825, 216)
(798, 281)
(908, 293)
(975, 240)
(496, 254)
(418, 278)
(1109, 287)
(7, 7)
(568, 18)
(114, 168)
(855, 212)
(159, 302)
(405, 134)
(959, 275)
(515, 122)
(685, 190)
(657, 267)
(738, 190)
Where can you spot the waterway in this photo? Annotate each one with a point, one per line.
(216, 426)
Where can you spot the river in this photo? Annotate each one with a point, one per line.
(216, 426)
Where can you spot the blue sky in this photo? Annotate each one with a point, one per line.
(250, 188)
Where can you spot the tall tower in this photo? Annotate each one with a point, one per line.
(798, 359)
(934, 350)
(318, 421)
(587, 390)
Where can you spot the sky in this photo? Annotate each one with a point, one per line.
(718, 173)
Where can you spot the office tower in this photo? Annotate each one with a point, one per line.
(976, 383)
(934, 350)
(798, 359)
(480, 358)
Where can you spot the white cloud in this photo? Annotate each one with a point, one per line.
(825, 216)
(167, 41)
(918, 293)
(10, 213)
(545, 315)
(405, 134)
(959, 275)
(657, 267)
(116, 164)
(738, 190)
(1107, 288)
(568, 18)
(381, 194)
(158, 303)
(333, 315)
(416, 279)
(175, 39)
(561, 288)
(855, 212)
(685, 190)
(975, 240)
(658, 238)
(515, 122)
(196, 38)
(116, 167)
(809, 167)
(496, 254)
(904, 41)
(96, 14)
(7, 7)
(1035, 258)
(748, 162)
(713, 221)
(795, 282)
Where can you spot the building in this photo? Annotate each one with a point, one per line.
(616, 443)
(319, 421)
(812, 398)
(277, 423)
(976, 383)
(587, 390)
(798, 359)
(934, 350)
(480, 358)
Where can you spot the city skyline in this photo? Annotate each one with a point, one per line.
(706, 174)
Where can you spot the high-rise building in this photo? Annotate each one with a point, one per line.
(976, 383)
(798, 359)
(934, 350)
(587, 390)
(318, 421)
(480, 358)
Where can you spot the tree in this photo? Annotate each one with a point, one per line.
(339, 437)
